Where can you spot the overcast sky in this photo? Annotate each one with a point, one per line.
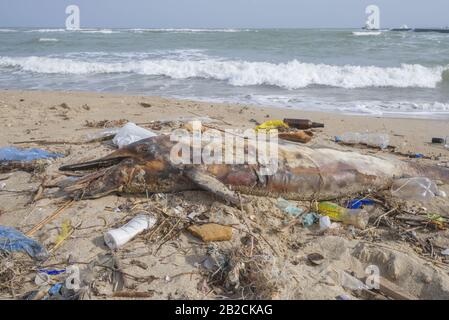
(223, 13)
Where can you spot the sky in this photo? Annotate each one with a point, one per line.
(223, 13)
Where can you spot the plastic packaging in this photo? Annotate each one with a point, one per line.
(108, 132)
(131, 133)
(271, 125)
(289, 207)
(420, 189)
(378, 140)
(13, 240)
(356, 217)
(309, 219)
(325, 223)
(446, 144)
(116, 238)
(16, 154)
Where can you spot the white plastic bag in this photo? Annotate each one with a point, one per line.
(131, 133)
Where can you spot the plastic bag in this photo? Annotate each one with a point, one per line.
(131, 133)
(271, 125)
(16, 154)
(13, 240)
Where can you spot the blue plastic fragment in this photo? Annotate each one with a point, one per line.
(14, 240)
(337, 139)
(358, 203)
(51, 272)
(55, 289)
(418, 156)
(16, 154)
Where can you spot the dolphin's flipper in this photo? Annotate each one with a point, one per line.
(209, 183)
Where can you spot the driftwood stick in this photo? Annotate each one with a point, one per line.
(49, 218)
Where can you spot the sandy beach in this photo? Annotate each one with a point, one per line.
(170, 263)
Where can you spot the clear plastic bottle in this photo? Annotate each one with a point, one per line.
(379, 140)
(356, 217)
(420, 189)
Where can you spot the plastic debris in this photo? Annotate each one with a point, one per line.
(272, 125)
(118, 237)
(309, 219)
(356, 217)
(420, 189)
(103, 134)
(131, 133)
(13, 240)
(52, 272)
(378, 140)
(438, 140)
(55, 289)
(211, 232)
(445, 252)
(343, 297)
(16, 154)
(359, 203)
(325, 223)
(289, 207)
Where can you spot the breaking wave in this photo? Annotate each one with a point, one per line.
(48, 40)
(290, 75)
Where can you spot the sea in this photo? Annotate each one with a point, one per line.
(399, 74)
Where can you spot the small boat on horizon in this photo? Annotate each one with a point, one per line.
(403, 28)
(440, 30)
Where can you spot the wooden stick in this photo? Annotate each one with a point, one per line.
(49, 218)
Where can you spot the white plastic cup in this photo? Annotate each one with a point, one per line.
(116, 238)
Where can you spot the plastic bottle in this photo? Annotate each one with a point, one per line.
(378, 140)
(420, 189)
(289, 207)
(303, 124)
(356, 217)
(116, 238)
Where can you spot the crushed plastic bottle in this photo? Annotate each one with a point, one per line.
(420, 189)
(289, 208)
(356, 217)
(378, 140)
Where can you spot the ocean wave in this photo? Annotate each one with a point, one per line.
(102, 31)
(186, 30)
(48, 40)
(290, 75)
(46, 30)
(7, 30)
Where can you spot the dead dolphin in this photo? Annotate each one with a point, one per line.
(303, 173)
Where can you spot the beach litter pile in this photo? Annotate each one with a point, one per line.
(212, 240)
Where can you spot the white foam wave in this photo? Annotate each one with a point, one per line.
(186, 30)
(102, 31)
(7, 30)
(46, 30)
(290, 75)
(48, 40)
